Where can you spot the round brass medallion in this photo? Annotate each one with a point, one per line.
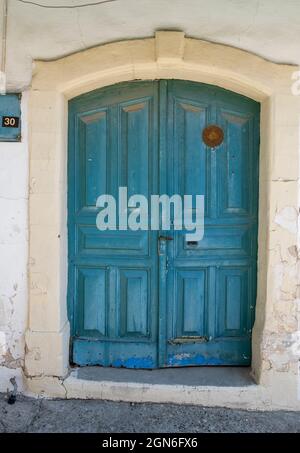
(212, 136)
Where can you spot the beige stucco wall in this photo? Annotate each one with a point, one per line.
(168, 55)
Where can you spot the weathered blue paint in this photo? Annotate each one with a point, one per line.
(134, 362)
(193, 360)
(193, 304)
(113, 279)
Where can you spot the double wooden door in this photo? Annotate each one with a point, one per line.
(147, 299)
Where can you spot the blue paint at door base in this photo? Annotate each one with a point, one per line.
(87, 354)
(135, 362)
(129, 307)
(192, 360)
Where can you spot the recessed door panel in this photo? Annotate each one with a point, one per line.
(134, 149)
(92, 137)
(189, 320)
(93, 290)
(134, 303)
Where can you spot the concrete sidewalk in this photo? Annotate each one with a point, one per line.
(38, 416)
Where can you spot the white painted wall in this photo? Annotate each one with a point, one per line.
(13, 253)
(270, 28)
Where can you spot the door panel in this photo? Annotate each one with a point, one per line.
(93, 287)
(231, 310)
(113, 274)
(134, 302)
(138, 302)
(211, 283)
(191, 289)
(93, 143)
(134, 153)
(234, 165)
(190, 119)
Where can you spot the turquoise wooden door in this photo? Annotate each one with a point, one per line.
(147, 299)
(211, 284)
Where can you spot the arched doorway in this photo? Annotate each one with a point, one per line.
(147, 299)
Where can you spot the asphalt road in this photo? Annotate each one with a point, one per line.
(63, 416)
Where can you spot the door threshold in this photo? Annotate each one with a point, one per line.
(190, 376)
(206, 386)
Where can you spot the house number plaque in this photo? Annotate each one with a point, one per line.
(10, 121)
(10, 117)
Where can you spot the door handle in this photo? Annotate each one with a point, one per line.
(165, 238)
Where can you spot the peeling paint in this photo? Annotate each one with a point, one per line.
(287, 218)
(280, 350)
(9, 361)
(294, 251)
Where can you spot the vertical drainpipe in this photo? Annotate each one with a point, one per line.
(3, 48)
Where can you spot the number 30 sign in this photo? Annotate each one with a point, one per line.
(10, 117)
(10, 121)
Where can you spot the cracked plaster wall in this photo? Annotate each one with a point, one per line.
(13, 255)
(281, 342)
(269, 28)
